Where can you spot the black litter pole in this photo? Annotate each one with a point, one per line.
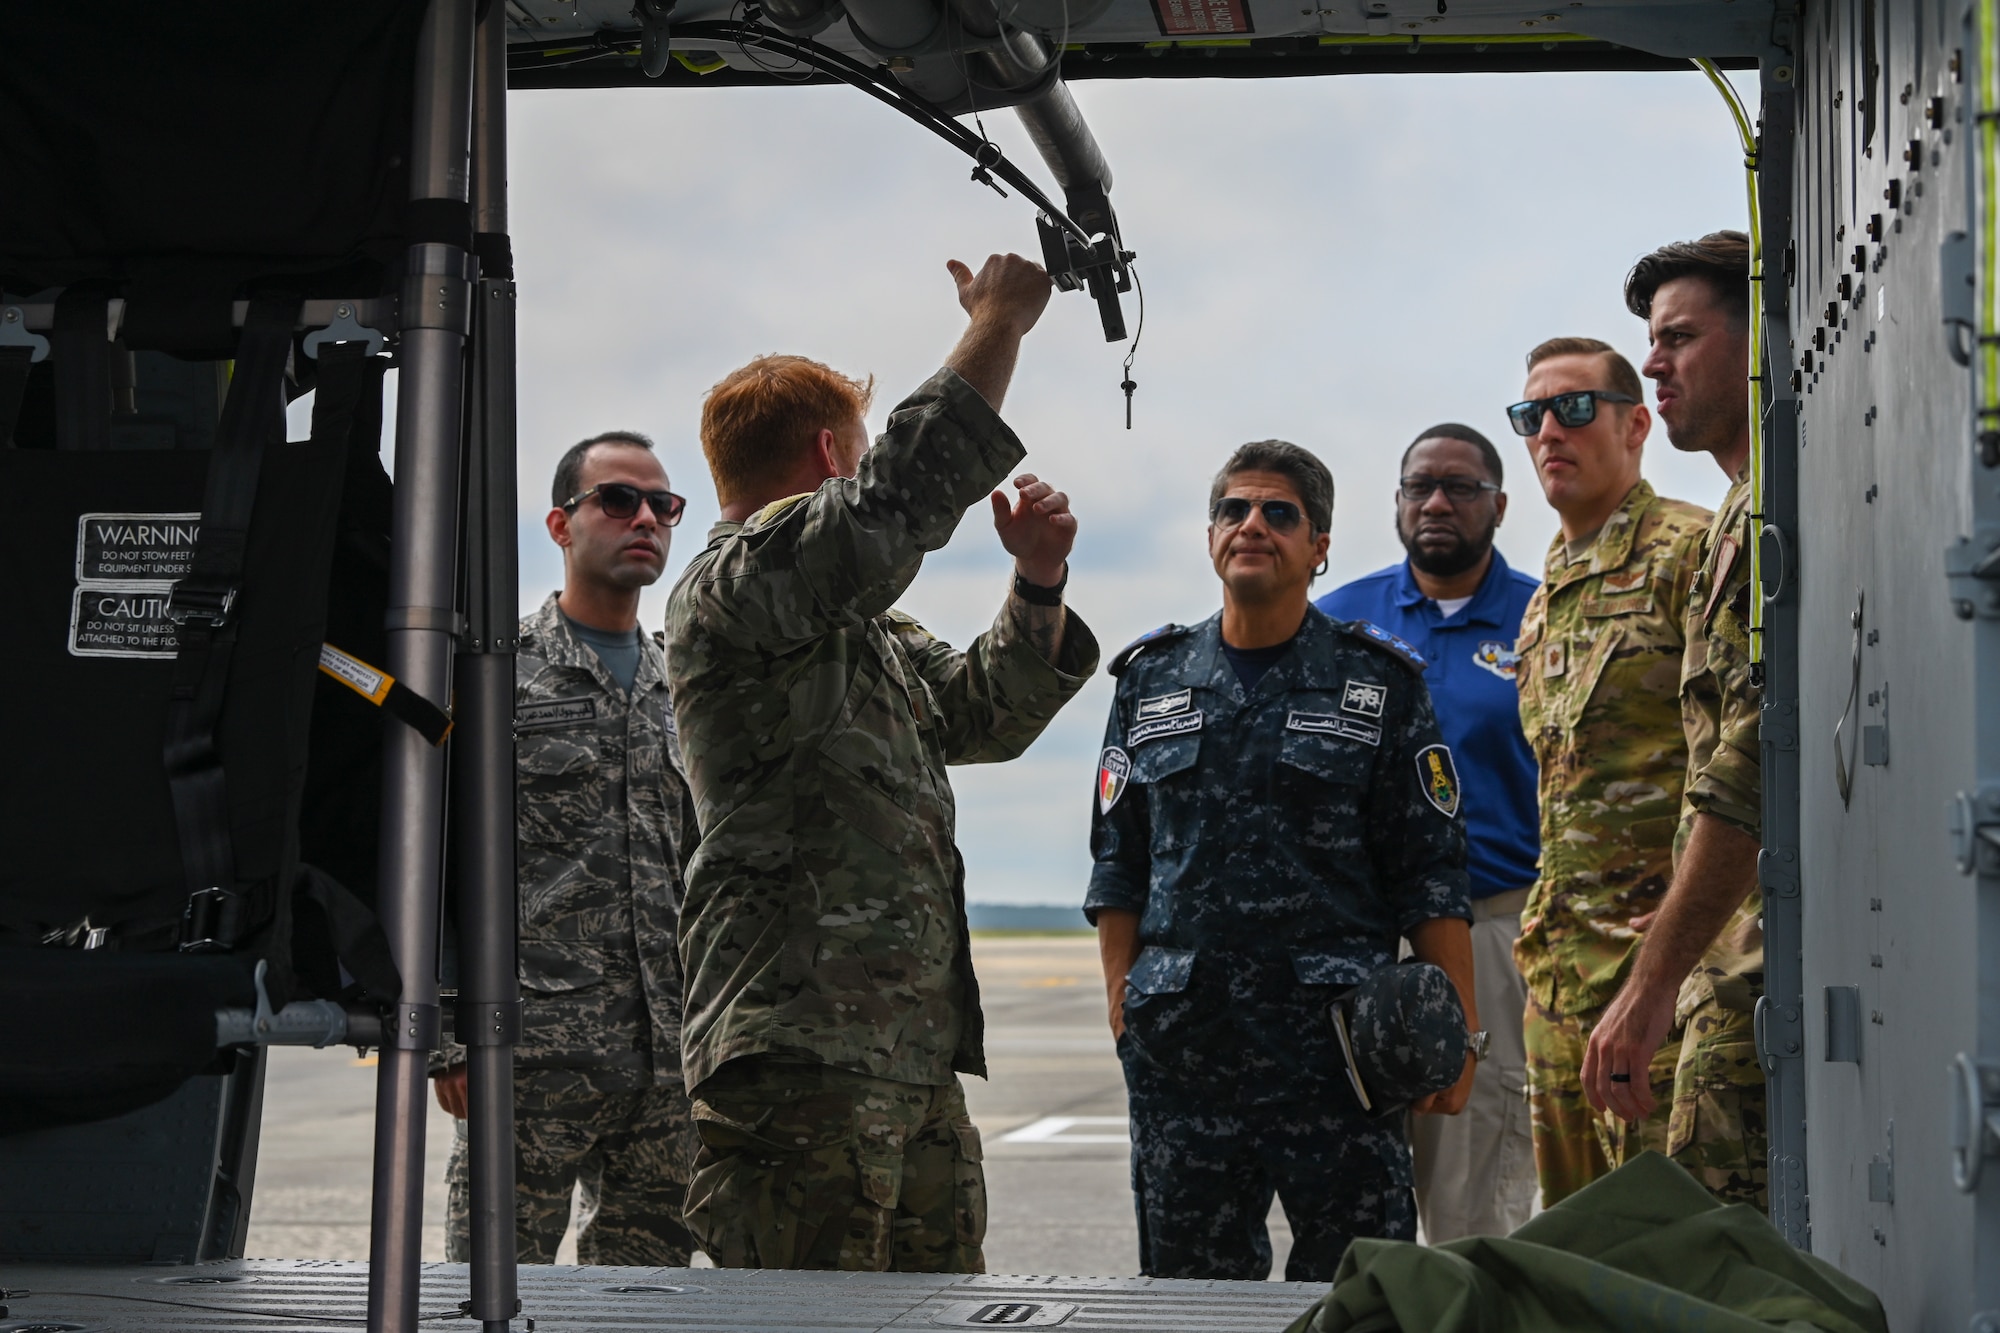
(489, 994)
(434, 317)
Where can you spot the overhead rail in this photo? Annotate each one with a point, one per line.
(1081, 245)
(587, 62)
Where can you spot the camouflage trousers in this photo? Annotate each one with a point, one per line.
(1708, 1090)
(1718, 1130)
(628, 1149)
(1205, 1169)
(803, 1165)
(1574, 1144)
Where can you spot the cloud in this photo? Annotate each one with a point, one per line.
(1335, 261)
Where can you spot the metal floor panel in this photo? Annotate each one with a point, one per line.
(304, 1295)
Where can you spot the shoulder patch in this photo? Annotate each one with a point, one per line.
(1138, 645)
(1369, 632)
(775, 508)
(1438, 776)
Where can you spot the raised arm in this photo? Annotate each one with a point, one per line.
(843, 553)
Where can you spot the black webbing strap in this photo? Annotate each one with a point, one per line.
(82, 352)
(203, 608)
(15, 364)
(387, 693)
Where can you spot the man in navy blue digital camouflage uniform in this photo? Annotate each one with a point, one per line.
(1275, 807)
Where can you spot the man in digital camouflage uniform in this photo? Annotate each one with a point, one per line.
(604, 820)
(1693, 994)
(831, 1000)
(1600, 652)
(1275, 807)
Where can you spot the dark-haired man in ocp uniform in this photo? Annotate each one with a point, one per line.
(1275, 807)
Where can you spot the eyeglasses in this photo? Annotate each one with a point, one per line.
(1459, 490)
(620, 501)
(1279, 515)
(1571, 409)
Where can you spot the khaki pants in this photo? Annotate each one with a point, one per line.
(1476, 1170)
(807, 1166)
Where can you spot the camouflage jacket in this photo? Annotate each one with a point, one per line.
(1601, 647)
(604, 819)
(1720, 711)
(1275, 842)
(825, 915)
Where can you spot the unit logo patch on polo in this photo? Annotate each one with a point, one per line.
(1439, 778)
(1333, 724)
(1364, 697)
(1499, 658)
(1165, 705)
(555, 713)
(1163, 726)
(1114, 769)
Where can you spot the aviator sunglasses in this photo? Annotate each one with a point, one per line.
(621, 501)
(1279, 515)
(1571, 409)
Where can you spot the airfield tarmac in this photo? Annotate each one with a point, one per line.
(1052, 1117)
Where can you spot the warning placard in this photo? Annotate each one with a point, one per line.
(121, 622)
(135, 548)
(1202, 18)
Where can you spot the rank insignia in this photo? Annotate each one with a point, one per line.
(1364, 697)
(1439, 778)
(1165, 705)
(1114, 772)
(1555, 659)
(1499, 658)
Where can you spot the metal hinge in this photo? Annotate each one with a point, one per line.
(1975, 830)
(1972, 571)
(1975, 1119)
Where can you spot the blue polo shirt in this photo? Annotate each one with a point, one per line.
(1471, 678)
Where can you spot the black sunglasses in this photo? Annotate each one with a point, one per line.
(1459, 490)
(1279, 515)
(1571, 409)
(620, 501)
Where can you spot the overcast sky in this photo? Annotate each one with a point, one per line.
(1338, 261)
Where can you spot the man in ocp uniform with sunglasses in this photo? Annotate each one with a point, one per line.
(605, 825)
(1275, 808)
(1599, 674)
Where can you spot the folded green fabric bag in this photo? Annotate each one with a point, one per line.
(1644, 1250)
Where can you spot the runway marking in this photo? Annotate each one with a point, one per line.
(1051, 981)
(1055, 1129)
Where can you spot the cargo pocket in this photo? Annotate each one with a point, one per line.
(1717, 1130)
(968, 1195)
(871, 1230)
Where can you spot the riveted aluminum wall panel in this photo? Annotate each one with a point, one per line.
(1894, 688)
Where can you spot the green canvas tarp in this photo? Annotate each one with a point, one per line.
(1644, 1250)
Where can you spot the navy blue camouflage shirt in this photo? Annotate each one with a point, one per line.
(1275, 842)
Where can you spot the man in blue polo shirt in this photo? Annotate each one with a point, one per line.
(1458, 603)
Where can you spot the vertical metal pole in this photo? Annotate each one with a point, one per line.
(1778, 731)
(433, 316)
(489, 998)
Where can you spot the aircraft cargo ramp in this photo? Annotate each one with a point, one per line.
(306, 1295)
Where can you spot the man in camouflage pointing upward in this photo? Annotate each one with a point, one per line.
(830, 996)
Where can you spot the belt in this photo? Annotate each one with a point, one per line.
(1510, 903)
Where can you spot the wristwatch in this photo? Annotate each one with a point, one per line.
(1479, 1042)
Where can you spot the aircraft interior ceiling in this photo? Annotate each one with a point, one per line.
(594, 43)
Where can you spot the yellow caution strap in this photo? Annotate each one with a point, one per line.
(383, 690)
